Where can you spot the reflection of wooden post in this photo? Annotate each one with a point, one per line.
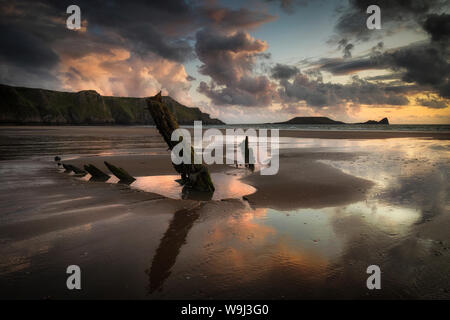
(169, 247)
(193, 175)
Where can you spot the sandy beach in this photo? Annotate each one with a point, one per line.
(340, 202)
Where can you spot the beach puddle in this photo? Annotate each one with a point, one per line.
(287, 253)
(228, 186)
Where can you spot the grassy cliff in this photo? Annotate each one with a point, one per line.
(20, 105)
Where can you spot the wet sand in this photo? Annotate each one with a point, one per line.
(335, 207)
(314, 185)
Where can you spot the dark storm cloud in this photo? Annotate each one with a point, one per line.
(229, 56)
(283, 71)
(229, 59)
(158, 26)
(433, 103)
(251, 92)
(142, 26)
(28, 52)
(144, 39)
(345, 66)
(417, 68)
(391, 76)
(25, 60)
(289, 6)
(400, 87)
(36, 43)
(346, 48)
(36, 40)
(24, 42)
(395, 14)
(123, 14)
(235, 19)
(396, 8)
(349, 65)
(438, 26)
(319, 94)
(213, 42)
(425, 64)
(226, 57)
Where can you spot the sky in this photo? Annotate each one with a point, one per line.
(241, 61)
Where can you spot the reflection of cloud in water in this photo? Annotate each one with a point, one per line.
(427, 191)
(410, 173)
(244, 226)
(289, 253)
(388, 159)
(390, 219)
(266, 246)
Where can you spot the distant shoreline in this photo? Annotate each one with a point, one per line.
(287, 132)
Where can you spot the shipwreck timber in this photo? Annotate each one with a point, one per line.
(120, 173)
(195, 176)
(75, 169)
(96, 173)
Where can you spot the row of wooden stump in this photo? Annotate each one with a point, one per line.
(96, 173)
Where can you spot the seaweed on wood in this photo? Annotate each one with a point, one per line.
(195, 176)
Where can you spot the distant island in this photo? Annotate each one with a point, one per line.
(326, 120)
(382, 121)
(19, 105)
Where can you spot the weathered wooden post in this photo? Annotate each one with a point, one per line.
(96, 173)
(193, 175)
(76, 170)
(120, 173)
(248, 155)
